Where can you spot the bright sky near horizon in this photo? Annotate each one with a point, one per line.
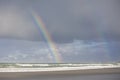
(73, 30)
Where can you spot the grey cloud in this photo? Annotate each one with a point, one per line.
(66, 20)
(15, 24)
(82, 19)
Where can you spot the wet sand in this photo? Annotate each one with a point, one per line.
(15, 75)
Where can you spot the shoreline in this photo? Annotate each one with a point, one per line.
(61, 72)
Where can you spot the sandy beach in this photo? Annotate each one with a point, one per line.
(63, 72)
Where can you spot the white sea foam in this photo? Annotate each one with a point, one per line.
(58, 68)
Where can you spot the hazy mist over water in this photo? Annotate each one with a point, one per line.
(69, 77)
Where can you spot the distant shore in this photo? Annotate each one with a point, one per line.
(61, 72)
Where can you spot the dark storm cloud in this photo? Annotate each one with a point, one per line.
(66, 20)
(87, 20)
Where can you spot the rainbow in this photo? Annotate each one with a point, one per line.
(42, 28)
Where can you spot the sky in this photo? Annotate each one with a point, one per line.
(83, 30)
